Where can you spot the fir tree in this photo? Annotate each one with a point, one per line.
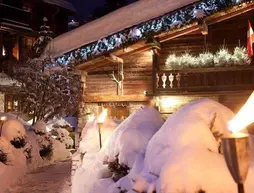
(45, 36)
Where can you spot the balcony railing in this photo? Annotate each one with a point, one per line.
(13, 17)
(204, 80)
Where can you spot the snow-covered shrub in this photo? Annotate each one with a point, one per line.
(118, 170)
(6, 154)
(188, 60)
(172, 62)
(28, 150)
(12, 129)
(205, 59)
(133, 134)
(240, 56)
(46, 151)
(222, 58)
(63, 136)
(19, 142)
(39, 128)
(3, 156)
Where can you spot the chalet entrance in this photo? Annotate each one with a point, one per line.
(116, 110)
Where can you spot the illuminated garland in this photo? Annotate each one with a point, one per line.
(168, 22)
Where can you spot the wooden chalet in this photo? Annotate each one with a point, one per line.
(131, 72)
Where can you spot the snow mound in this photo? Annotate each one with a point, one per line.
(127, 142)
(63, 136)
(192, 124)
(133, 134)
(12, 129)
(89, 138)
(39, 128)
(175, 159)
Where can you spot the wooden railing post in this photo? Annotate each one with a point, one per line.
(155, 68)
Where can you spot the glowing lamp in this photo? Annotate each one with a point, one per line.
(100, 121)
(236, 146)
(2, 121)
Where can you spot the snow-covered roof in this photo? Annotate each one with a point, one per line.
(5, 80)
(61, 3)
(116, 21)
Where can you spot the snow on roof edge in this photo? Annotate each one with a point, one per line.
(69, 37)
(93, 48)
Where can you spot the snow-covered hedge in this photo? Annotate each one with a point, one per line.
(181, 155)
(23, 150)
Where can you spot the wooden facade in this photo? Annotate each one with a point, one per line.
(146, 78)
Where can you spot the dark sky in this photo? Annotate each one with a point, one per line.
(85, 7)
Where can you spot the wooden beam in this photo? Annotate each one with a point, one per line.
(114, 59)
(115, 98)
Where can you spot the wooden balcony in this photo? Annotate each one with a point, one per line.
(206, 80)
(12, 18)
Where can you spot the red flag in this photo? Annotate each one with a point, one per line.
(250, 38)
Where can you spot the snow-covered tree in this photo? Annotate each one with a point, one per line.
(45, 36)
(47, 91)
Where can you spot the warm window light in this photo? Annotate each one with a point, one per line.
(91, 118)
(102, 116)
(3, 51)
(168, 102)
(3, 118)
(244, 117)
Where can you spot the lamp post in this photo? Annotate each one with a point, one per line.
(2, 121)
(236, 153)
(100, 121)
(99, 132)
(236, 147)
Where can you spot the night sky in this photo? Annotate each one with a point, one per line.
(85, 7)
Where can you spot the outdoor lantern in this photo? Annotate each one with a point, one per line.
(236, 153)
(100, 121)
(236, 147)
(2, 121)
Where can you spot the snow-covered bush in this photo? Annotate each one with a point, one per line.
(118, 170)
(63, 136)
(39, 128)
(12, 129)
(28, 151)
(18, 142)
(126, 144)
(188, 60)
(240, 56)
(174, 160)
(6, 155)
(173, 62)
(24, 158)
(3, 156)
(206, 59)
(44, 139)
(222, 58)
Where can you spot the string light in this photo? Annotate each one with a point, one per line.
(167, 22)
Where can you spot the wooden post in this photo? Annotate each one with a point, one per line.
(155, 68)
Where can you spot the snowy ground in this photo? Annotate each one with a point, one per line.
(49, 179)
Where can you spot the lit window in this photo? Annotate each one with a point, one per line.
(3, 51)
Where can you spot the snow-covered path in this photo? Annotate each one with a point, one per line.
(55, 178)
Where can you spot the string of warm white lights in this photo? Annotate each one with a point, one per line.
(168, 22)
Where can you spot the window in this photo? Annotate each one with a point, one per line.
(28, 42)
(12, 103)
(116, 110)
(3, 51)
